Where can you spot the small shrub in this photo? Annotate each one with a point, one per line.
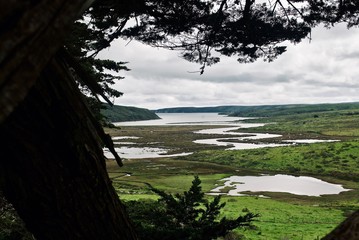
(183, 216)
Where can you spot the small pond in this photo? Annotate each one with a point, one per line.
(302, 185)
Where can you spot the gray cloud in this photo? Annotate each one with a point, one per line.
(323, 70)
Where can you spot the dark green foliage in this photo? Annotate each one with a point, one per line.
(80, 46)
(247, 29)
(244, 29)
(183, 216)
(96, 107)
(333, 12)
(267, 110)
(86, 68)
(122, 113)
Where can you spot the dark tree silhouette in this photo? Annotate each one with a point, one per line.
(52, 167)
(184, 216)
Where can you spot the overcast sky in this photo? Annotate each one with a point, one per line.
(325, 70)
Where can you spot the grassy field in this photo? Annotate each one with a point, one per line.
(283, 216)
(337, 159)
(340, 124)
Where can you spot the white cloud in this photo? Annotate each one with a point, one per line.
(323, 70)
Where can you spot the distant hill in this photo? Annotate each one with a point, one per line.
(265, 110)
(123, 113)
(219, 109)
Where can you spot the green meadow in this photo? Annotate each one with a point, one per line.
(282, 215)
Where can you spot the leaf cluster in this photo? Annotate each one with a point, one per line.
(332, 12)
(183, 216)
(201, 30)
(198, 28)
(79, 45)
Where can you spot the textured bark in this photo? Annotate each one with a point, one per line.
(347, 230)
(54, 172)
(30, 33)
(52, 167)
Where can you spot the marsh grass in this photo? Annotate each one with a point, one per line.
(338, 159)
(280, 219)
(283, 215)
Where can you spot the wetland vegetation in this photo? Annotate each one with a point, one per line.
(282, 215)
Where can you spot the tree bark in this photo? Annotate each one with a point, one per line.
(52, 168)
(54, 171)
(347, 230)
(31, 32)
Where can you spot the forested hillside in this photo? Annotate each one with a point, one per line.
(266, 110)
(123, 113)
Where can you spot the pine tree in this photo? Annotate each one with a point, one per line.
(189, 215)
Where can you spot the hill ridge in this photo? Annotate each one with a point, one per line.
(117, 113)
(264, 110)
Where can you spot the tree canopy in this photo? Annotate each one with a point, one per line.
(204, 30)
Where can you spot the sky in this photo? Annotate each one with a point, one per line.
(323, 70)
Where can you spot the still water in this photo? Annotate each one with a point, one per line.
(232, 139)
(186, 119)
(210, 119)
(139, 153)
(229, 131)
(302, 185)
(238, 184)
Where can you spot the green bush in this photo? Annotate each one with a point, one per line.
(183, 216)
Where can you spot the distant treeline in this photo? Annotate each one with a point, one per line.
(123, 113)
(265, 110)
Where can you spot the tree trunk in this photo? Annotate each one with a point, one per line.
(347, 230)
(54, 171)
(52, 167)
(31, 32)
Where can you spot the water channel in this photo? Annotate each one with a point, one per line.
(237, 184)
(232, 140)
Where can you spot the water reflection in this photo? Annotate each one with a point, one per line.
(143, 152)
(230, 142)
(310, 141)
(235, 142)
(186, 119)
(234, 145)
(302, 185)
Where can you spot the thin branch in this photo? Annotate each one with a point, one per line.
(295, 8)
(221, 6)
(285, 11)
(112, 36)
(274, 7)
